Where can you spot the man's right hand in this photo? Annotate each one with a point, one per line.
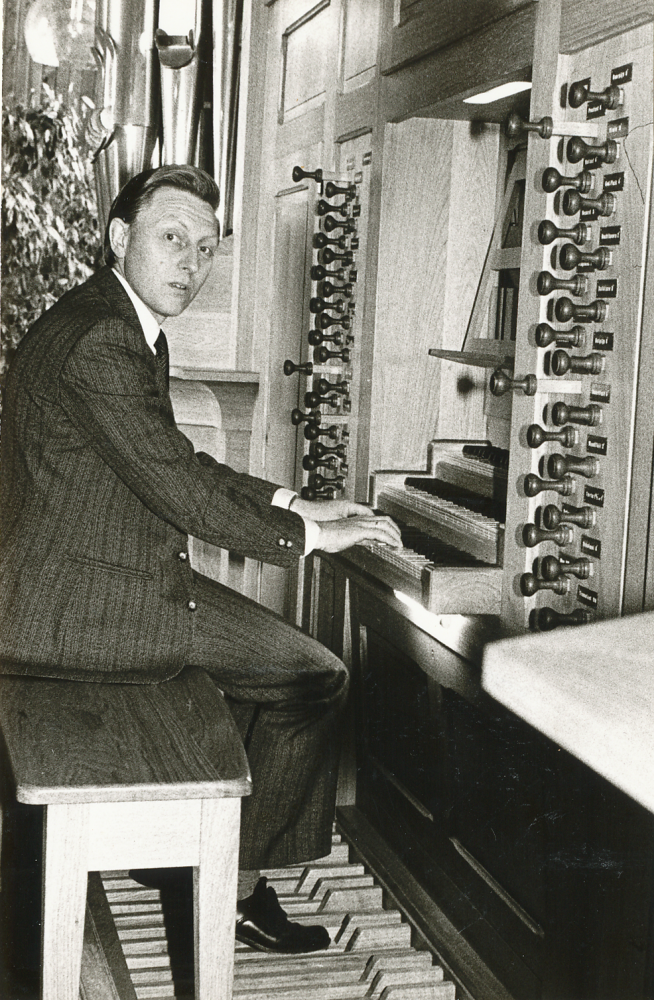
(338, 535)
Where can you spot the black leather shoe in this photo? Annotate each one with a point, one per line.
(261, 923)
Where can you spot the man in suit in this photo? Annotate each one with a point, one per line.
(100, 491)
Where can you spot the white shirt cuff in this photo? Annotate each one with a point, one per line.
(283, 498)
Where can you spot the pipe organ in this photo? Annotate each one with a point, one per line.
(471, 353)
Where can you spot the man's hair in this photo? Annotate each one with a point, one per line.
(140, 189)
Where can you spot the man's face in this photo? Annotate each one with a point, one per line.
(166, 254)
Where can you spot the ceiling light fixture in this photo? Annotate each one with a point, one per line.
(497, 93)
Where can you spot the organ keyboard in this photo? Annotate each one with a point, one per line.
(452, 522)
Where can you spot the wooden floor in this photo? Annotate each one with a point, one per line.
(370, 956)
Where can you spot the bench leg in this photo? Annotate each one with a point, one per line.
(65, 850)
(214, 898)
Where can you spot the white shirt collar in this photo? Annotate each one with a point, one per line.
(149, 324)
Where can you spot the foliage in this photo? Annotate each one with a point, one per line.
(49, 216)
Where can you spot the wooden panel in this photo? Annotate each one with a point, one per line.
(431, 251)
(143, 834)
(360, 41)
(499, 53)
(427, 25)
(586, 24)
(308, 47)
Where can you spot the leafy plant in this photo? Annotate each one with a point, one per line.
(50, 232)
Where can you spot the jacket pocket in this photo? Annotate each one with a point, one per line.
(107, 567)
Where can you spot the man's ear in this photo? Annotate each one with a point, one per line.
(118, 231)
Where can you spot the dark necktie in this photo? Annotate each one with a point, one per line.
(161, 348)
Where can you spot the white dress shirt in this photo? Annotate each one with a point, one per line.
(151, 329)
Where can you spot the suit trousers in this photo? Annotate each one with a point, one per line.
(287, 693)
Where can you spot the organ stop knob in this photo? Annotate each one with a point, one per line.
(559, 466)
(573, 202)
(562, 362)
(325, 320)
(331, 189)
(552, 180)
(297, 416)
(530, 585)
(323, 207)
(313, 399)
(533, 485)
(548, 232)
(320, 241)
(547, 619)
(290, 368)
(515, 125)
(577, 149)
(329, 256)
(312, 432)
(547, 282)
(590, 415)
(584, 517)
(319, 337)
(610, 98)
(322, 354)
(570, 257)
(551, 567)
(319, 450)
(531, 535)
(299, 174)
(336, 482)
(594, 312)
(536, 436)
(309, 493)
(311, 463)
(546, 335)
(500, 383)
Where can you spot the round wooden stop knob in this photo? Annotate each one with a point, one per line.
(328, 289)
(330, 224)
(311, 463)
(297, 416)
(548, 282)
(552, 180)
(594, 312)
(316, 305)
(515, 125)
(312, 432)
(570, 257)
(329, 256)
(290, 368)
(562, 363)
(610, 98)
(537, 436)
(320, 449)
(546, 335)
(573, 202)
(531, 584)
(313, 399)
(336, 482)
(325, 321)
(309, 493)
(531, 535)
(319, 337)
(324, 385)
(320, 241)
(552, 566)
(533, 485)
(548, 232)
(322, 354)
(548, 619)
(299, 174)
(559, 466)
(577, 149)
(323, 207)
(553, 516)
(590, 415)
(331, 190)
(500, 383)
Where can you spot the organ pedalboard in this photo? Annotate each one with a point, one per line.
(578, 338)
(328, 372)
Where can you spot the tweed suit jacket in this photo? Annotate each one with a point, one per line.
(99, 491)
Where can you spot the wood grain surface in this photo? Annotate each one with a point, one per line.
(69, 742)
(591, 690)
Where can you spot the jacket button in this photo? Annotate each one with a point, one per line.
(282, 541)
(192, 605)
(289, 544)
(183, 556)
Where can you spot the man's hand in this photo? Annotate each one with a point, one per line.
(338, 535)
(329, 510)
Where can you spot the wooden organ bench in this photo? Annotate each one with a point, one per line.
(131, 776)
